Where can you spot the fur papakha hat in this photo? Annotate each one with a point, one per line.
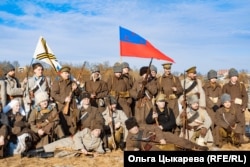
(143, 70)
(225, 97)
(192, 99)
(117, 69)
(7, 68)
(153, 68)
(84, 94)
(130, 123)
(40, 97)
(211, 74)
(125, 65)
(95, 69)
(233, 72)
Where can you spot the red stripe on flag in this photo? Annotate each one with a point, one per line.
(143, 51)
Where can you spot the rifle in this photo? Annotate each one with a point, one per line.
(151, 139)
(185, 122)
(144, 82)
(111, 126)
(80, 73)
(66, 106)
(154, 111)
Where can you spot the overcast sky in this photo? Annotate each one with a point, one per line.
(209, 34)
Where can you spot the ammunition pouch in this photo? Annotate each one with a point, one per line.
(124, 94)
(113, 93)
(121, 94)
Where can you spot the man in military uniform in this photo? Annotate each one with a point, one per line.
(228, 122)
(64, 92)
(170, 85)
(84, 141)
(195, 122)
(239, 96)
(161, 115)
(126, 75)
(44, 120)
(153, 70)
(131, 80)
(114, 121)
(13, 88)
(143, 91)
(192, 85)
(213, 93)
(37, 83)
(88, 114)
(147, 137)
(119, 87)
(97, 88)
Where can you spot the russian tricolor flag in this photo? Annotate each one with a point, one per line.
(133, 45)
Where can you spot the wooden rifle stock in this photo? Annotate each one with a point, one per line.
(185, 122)
(66, 106)
(111, 126)
(154, 111)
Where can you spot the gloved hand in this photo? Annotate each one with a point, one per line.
(229, 129)
(215, 108)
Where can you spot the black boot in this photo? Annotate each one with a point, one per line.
(45, 154)
(32, 153)
(122, 145)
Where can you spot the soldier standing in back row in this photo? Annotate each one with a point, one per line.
(63, 91)
(143, 91)
(213, 92)
(239, 97)
(131, 80)
(14, 89)
(119, 88)
(37, 83)
(192, 86)
(153, 70)
(97, 88)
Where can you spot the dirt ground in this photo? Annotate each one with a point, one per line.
(112, 159)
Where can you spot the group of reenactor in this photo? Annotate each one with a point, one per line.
(39, 115)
